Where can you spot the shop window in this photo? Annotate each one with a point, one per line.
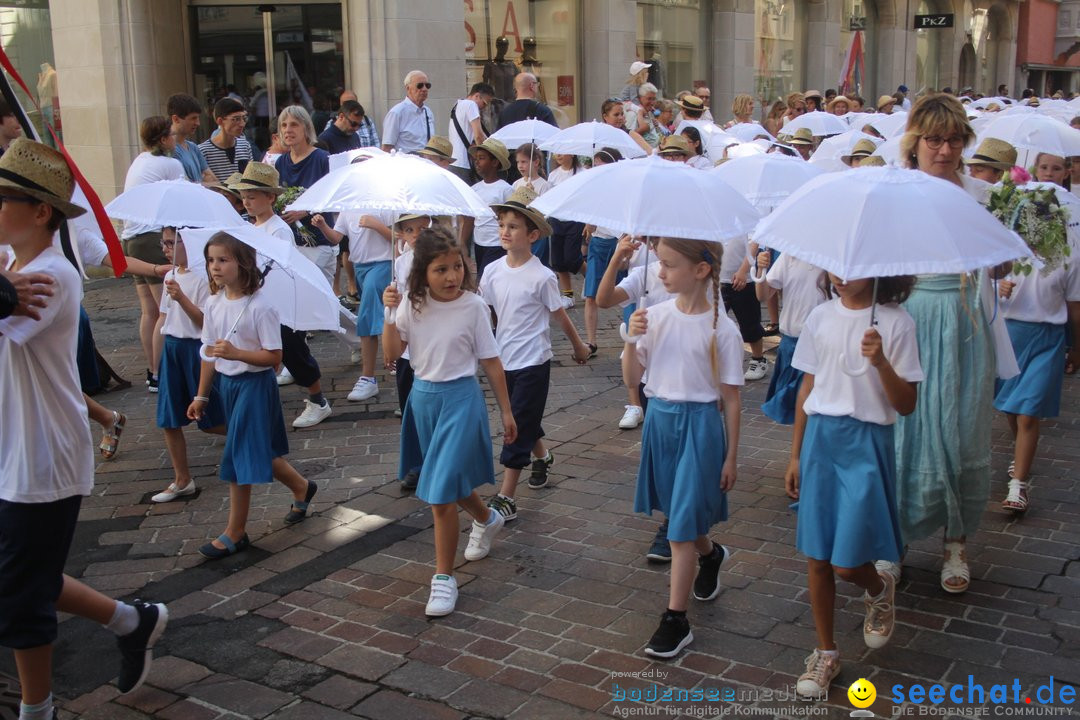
(779, 41)
(26, 34)
(672, 35)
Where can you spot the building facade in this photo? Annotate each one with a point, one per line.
(99, 66)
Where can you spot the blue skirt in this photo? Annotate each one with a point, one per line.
(1040, 353)
(445, 432)
(178, 384)
(783, 391)
(371, 279)
(540, 250)
(683, 446)
(600, 251)
(847, 492)
(256, 427)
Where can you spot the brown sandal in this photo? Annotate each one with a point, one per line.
(110, 441)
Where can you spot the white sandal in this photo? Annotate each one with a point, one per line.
(954, 567)
(1017, 499)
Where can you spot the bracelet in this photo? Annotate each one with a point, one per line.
(203, 398)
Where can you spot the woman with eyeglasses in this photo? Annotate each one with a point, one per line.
(943, 448)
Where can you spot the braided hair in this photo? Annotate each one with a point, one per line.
(710, 253)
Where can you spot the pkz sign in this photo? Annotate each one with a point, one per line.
(925, 22)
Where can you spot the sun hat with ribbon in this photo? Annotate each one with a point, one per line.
(519, 201)
(497, 150)
(40, 172)
(438, 146)
(863, 148)
(885, 100)
(994, 153)
(259, 176)
(675, 145)
(802, 136)
(838, 99)
(812, 94)
(692, 103)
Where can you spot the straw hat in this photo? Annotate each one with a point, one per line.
(838, 99)
(885, 100)
(813, 94)
(802, 136)
(410, 216)
(863, 148)
(872, 161)
(40, 172)
(233, 179)
(692, 103)
(259, 176)
(994, 153)
(519, 202)
(440, 147)
(676, 145)
(497, 150)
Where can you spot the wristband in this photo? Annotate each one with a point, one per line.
(202, 398)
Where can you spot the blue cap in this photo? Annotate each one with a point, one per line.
(902, 88)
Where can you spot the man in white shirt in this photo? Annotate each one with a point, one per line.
(410, 124)
(705, 94)
(466, 129)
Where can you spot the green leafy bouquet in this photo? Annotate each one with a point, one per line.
(1036, 216)
(304, 236)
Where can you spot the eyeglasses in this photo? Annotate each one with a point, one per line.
(239, 118)
(18, 199)
(934, 142)
(423, 86)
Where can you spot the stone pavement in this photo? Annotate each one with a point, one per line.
(325, 619)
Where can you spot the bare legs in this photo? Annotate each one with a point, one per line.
(150, 324)
(240, 499)
(683, 556)
(447, 529)
(822, 586)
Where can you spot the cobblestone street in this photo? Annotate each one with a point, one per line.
(325, 620)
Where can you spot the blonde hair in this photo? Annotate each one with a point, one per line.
(743, 104)
(703, 251)
(935, 114)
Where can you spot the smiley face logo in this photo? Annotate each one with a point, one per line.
(862, 693)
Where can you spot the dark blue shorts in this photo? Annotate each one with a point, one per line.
(528, 390)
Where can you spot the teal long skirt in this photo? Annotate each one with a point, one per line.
(943, 448)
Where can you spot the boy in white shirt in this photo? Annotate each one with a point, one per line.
(489, 159)
(46, 454)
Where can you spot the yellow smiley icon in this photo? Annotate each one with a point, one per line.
(862, 693)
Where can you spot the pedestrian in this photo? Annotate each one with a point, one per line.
(185, 113)
(566, 258)
(489, 159)
(46, 452)
(467, 129)
(613, 113)
(598, 247)
(1052, 169)
(410, 123)
(813, 100)
(991, 160)
(638, 76)
(842, 469)
(227, 151)
(445, 424)
(341, 134)
(641, 119)
(693, 360)
(742, 110)
(186, 293)
(800, 282)
(796, 106)
(241, 343)
(741, 298)
(697, 159)
(524, 296)
(773, 123)
(839, 105)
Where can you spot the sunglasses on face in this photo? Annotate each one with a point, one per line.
(354, 124)
(423, 86)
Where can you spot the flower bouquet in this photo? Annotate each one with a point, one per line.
(304, 236)
(1036, 216)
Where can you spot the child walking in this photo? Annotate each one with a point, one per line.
(598, 246)
(241, 338)
(445, 424)
(185, 295)
(843, 468)
(693, 355)
(566, 258)
(529, 161)
(525, 298)
(489, 159)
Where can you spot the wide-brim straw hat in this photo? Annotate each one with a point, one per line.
(40, 172)
(676, 145)
(497, 150)
(440, 147)
(259, 176)
(872, 161)
(885, 100)
(802, 136)
(692, 103)
(993, 153)
(863, 148)
(813, 94)
(838, 99)
(519, 202)
(411, 216)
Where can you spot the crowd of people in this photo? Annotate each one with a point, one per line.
(878, 460)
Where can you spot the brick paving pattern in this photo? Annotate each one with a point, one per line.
(325, 620)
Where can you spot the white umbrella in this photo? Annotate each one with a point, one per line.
(294, 284)
(341, 159)
(517, 134)
(818, 122)
(890, 125)
(745, 132)
(888, 221)
(889, 151)
(766, 180)
(828, 153)
(174, 203)
(587, 138)
(856, 120)
(1034, 132)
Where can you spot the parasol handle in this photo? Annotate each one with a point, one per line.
(754, 276)
(624, 331)
(388, 315)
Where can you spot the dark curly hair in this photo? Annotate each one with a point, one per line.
(892, 289)
(430, 244)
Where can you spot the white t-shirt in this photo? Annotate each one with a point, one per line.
(259, 328)
(675, 351)
(798, 281)
(523, 298)
(539, 185)
(279, 229)
(732, 259)
(92, 248)
(402, 268)
(466, 111)
(1039, 298)
(486, 230)
(557, 175)
(177, 322)
(701, 162)
(833, 330)
(634, 286)
(148, 168)
(366, 245)
(45, 445)
(447, 338)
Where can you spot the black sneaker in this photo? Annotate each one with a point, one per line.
(660, 552)
(136, 648)
(151, 382)
(504, 506)
(707, 582)
(538, 477)
(410, 481)
(671, 637)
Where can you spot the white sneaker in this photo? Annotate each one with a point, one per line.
(313, 415)
(481, 537)
(285, 377)
(631, 418)
(443, 596)
(354, 357)
(568, 302)
(363, 389)
(888, 567)
(756, 369)
(174, 491)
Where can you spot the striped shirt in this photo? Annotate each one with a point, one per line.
(219, 160)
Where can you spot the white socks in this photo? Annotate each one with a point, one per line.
(125, 619)
(42, 711)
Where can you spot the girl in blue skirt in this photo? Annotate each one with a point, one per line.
(598, 247)
(800, 283)
(241, 342)
(843, 467)
(693, 355)
(444, 429)
(181, 305)
(1036, 311)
